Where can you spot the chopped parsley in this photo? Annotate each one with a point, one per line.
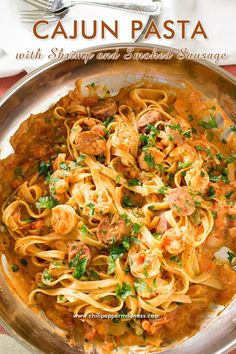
(46, 277)
(162, 190)
(127, 202)
(202, 148)
(136, 228)
(182, 165)
(47, 202)
(214, 214)
(18, 171)
(229, 195)
(79, 265)
(187, 133)
(108, 121)
(91, 206)
(84, 230)
(233, 129)
(210, 124)
(94, 275)
(123, 291)
(176, 127)
(231, 256)
(150, 160)
(191, 117)
(134, 182)
(211, 192)
(44, 169)
(15, 268)
(64, 166)
(176, 259)
(24, 261)
(80, 159)
(140, 285)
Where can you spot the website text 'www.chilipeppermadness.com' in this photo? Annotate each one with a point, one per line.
(101, 316)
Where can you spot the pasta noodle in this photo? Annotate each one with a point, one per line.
(123, 213)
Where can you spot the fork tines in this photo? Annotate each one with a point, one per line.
(32, 16)
(42, 4)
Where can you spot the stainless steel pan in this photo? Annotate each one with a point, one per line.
(36, 92)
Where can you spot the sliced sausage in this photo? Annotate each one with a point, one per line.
(90, 143)
(104, 108)
(112, 229)
(148, 118)
(80, 248)
(181, 202)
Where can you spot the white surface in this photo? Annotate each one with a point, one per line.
(217, 17)
(9, 346)
(18, 37)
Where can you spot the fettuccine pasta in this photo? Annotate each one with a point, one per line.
(115, 207)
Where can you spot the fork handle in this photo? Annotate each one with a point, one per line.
(146, 9)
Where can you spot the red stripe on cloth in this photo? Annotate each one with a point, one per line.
(3, 331)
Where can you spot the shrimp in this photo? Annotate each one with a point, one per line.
(173, 242)
(145, 264)
(150, 158)
(197, 178)
(186, 152)
(64, 219)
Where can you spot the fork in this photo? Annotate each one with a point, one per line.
(30, 16)
(54, 6)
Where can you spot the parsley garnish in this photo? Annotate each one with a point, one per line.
(94, 275)
(46, 277)
(79, 265)
(191, 117)
(231, 256)
(214, 214)
(228, 195)
(123, 291)
(210, 124)
(187, 133)
(18, 171)
(134, 182)
(233, 129)
(127, 202)
(201, 148)
(44, 168)
(162, 190)
(136, 228)
(182, 165)
(64, 166)
(84, 230)
(149, 159)
(24, 261)
(15, 268)
(80, 159)
(176, 259)
(176, 127)
(108, 121)
(140, 285)
(47, 202)
(91, 206)
(211, 192)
